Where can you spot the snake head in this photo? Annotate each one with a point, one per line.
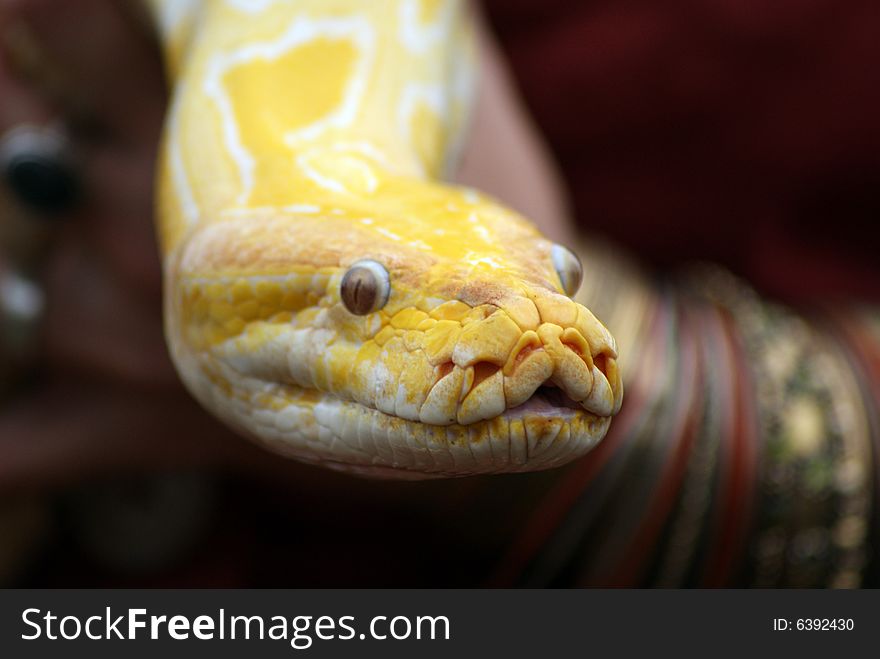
(434, 335)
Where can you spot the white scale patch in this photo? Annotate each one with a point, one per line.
(307, 209)
(472, 258)
(419, 37)
(388, 234)
(432, 96)
(370, 154)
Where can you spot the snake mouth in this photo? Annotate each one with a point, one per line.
(546, 431)
(548, 401)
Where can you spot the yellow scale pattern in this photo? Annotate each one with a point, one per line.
(304, 136)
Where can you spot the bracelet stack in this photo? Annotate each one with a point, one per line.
(745, 454)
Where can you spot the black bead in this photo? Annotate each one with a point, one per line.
(45, 184)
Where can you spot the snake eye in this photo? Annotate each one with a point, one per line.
(365, 287)
(568, 267)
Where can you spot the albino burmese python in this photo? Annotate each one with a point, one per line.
(325, 293)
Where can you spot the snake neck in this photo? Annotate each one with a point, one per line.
(308, 104)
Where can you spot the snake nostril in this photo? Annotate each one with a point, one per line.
(574, 347)
(583, 351)
(525, 352)
(483, 371)
(575, 341)
(444, 369)
(600, 361)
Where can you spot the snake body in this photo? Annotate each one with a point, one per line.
(307, 140)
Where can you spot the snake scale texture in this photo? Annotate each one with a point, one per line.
(326, 293)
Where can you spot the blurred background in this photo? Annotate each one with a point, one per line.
(738, 132)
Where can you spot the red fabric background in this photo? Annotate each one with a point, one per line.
(742, 131)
